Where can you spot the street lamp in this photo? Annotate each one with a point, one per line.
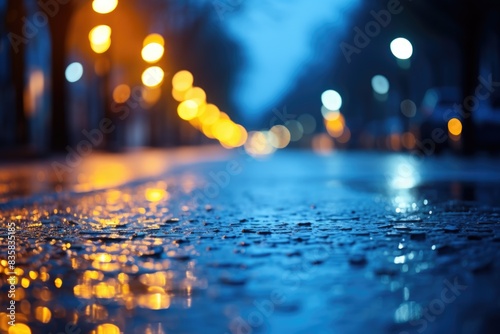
(104, 6)
(331, 100)
(100, 38)
(401, 48)
(153, 48)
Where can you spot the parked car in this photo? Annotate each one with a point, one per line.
(440, 104)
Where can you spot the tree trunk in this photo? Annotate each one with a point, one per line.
(59, 27)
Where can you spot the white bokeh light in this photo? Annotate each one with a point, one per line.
(401, 48)
(331, 100)
(380, 84)
(74, 72)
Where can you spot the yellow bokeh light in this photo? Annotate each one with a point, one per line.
(154, 38)
(182, 81)
(82, 291)
(223, 129)
(205, 117)
(121, 93)
(210, 114)
(258, 144)
(223, 115)
(107, 329)
(207, 130)
(58, 282)
(100, 38)
(155, 195)
(279, 136)
(19, 329)
(455, 127)
(4, 326)
(197, 95)
(243, 136)
(104, 6)
(103, 290)
(195, 122)
(101, 48)
(187, 110)
(44, 276)
(178, 95)
(153, 76)
(237, 138)
(43, 314)
(154, 301)
(335, 127)
(152, 52)
(25, 283)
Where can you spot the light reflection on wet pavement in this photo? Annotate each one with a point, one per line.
(297, 243)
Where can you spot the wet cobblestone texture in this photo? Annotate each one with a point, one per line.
(298, 243)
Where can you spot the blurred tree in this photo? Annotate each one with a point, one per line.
(16, 11)
(198, 42)
(7, 115)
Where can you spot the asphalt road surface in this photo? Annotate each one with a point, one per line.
(206, 241)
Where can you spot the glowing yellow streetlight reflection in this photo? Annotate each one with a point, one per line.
(153, 76)
(43, 314)
(153, 48)
(104, 6)
(154, 38)
(196, 94)
(455, 126)
(188, 110)
(153, 52)
(19, 329)
(155, 195)
(121, 93)
(100, 34)
(107, 329)
(182, 81)
(207, 118)
(210, 114)
(100, 38)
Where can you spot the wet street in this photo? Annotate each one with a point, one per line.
(206, 241)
